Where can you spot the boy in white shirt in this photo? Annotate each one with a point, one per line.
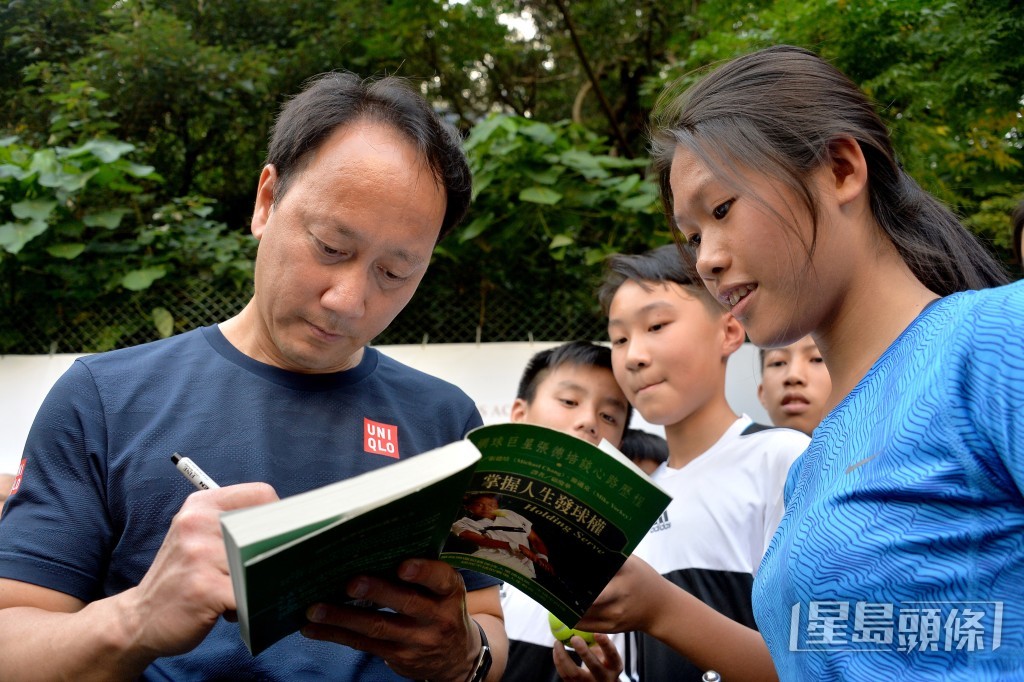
(671, 342)
(570, 388)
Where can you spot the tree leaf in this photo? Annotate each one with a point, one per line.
(14, 236)
(639, 202)
(476, 228)
(107, 151)
(540, 195)
(540, 132)
(66, 251)
(109, 219)
(594, 256)
(139, 171)
(561, 240)
(34, 209)
(482, 131)
(8, 170)
(163, 321)
(137, 280)
(548, 176)
(44, 161)
(72, 182)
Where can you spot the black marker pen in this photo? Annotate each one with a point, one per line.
(193, 473)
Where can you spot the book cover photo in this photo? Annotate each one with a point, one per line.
(551, 514)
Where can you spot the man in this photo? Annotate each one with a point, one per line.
(100, 578)
(6, 484)
(570, 388)
(502, 535)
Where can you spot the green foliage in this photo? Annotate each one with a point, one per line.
(77, 233)
(550, 204)
(123, 199)
(946, 76)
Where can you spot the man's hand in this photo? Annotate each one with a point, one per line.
(169, 612)
(430, 635)
(538, 559)
(188, 586)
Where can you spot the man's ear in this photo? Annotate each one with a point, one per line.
(733, 335)
(519, 409)
(264, 200)
(760, 394)
(849, 169)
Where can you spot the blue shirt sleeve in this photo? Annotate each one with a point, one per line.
(987, 385)
(55, 532)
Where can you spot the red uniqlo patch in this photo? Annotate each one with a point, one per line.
(17, 479)
(380, 439)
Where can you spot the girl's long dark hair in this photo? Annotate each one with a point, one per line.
(778, 110)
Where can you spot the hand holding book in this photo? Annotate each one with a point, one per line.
(572, 509)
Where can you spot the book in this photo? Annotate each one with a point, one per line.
(542, 510)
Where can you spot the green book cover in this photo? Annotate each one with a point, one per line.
(588, 507)
(560, 516)
(286, 555)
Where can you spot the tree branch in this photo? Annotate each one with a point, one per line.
(605, 107)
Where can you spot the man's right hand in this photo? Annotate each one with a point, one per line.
(46, 634)
(188, 586)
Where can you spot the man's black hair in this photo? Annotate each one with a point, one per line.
(333, 100)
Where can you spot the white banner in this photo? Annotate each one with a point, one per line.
(488, 372)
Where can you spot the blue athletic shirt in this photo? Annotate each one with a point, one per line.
(901, 552)
(98, 489)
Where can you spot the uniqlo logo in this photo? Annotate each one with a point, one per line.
(17, 479)
(380, 439)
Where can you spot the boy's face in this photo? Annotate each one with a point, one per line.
(582, 401)
(484, 507)
(668, 349)
(795, 384)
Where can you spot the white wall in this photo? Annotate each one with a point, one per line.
(488, 372)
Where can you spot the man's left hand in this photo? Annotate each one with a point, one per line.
(429, 636)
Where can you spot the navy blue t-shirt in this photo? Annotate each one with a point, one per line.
(98, 489)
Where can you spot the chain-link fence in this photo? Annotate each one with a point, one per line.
(432, 316)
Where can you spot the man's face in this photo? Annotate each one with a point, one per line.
(580, 400)
(343, 251)
(795, 385)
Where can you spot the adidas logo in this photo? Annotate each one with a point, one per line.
(662, 523)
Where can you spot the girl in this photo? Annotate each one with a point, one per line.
(901, 552)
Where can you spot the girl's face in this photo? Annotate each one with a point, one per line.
(751, 246)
